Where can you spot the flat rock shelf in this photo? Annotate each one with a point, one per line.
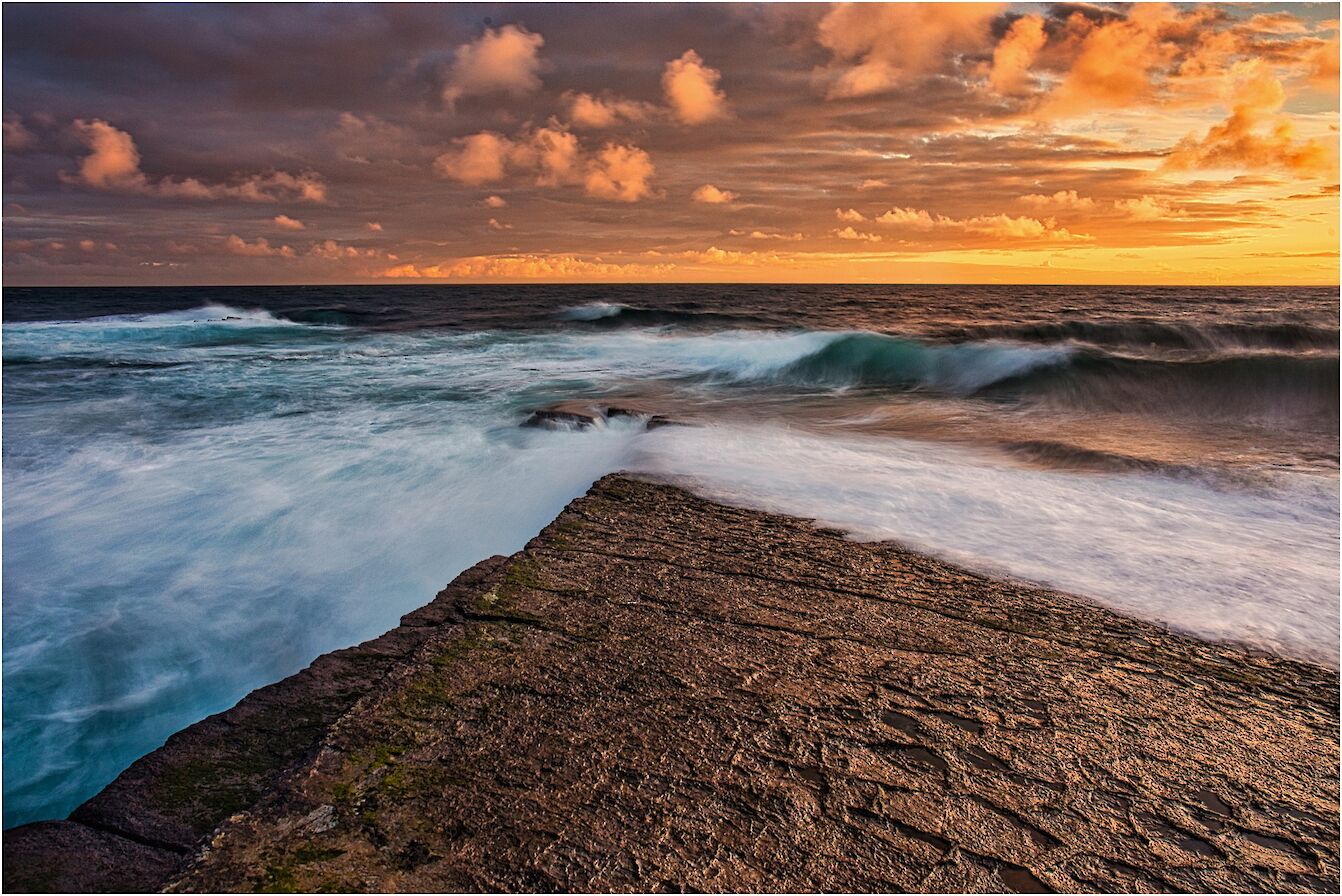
(663, 693)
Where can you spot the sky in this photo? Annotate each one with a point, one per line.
(899, 143)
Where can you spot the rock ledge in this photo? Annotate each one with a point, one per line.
(662, 693)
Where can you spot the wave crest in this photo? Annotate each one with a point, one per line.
(871, 359)
(1263, 387)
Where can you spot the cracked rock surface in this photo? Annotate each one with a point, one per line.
(663, 693)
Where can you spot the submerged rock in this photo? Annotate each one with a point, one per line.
(662, 693)
(577, 415)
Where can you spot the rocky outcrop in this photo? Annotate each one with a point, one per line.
(134, 835)
(662, 693)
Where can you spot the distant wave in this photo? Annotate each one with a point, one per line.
(1136, 334)
(1263, 387)
(1144, 333)
(204, 326)
(329, 317)
(209, 313)
(594, 311)
(614, 314)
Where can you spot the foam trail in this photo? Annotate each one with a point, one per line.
(1259, 567)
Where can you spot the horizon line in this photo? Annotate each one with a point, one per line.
(598, 283)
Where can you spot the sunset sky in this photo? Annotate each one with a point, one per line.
(1025, 143)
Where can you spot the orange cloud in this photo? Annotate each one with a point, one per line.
(480, 159)
(525, 267)
(1323, 65)
(1147, 208)
(236, 245)
(1009, 227)
(877, 46)
(1015, 53)
(553, 157)
(113, 161)
(1238, 142)
(848, 233)
(587, 111)
(554, 153)
(331, 250)
(712, 195)
(999, 226)
(850, 214)
(113, 164)
(908, 217)
(691, 89)
(1276, 23)
(284, 222)
(715, 256)
(620, 173)
(502, 60)
(1067, 199)
(494, 202)
(1115, 59)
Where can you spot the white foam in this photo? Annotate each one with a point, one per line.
(210, 313)
(1255, 567)
(593, 311)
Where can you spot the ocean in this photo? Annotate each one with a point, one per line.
(206, 488)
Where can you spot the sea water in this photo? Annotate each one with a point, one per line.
(205, 489)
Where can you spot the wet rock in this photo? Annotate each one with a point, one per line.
(662, 693)
(566, 415)
(577, 415)
(650, 420)
(66, 857)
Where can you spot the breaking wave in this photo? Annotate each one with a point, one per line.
(1265, 386)
(871, 359)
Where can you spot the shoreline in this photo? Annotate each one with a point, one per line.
(663, 692)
